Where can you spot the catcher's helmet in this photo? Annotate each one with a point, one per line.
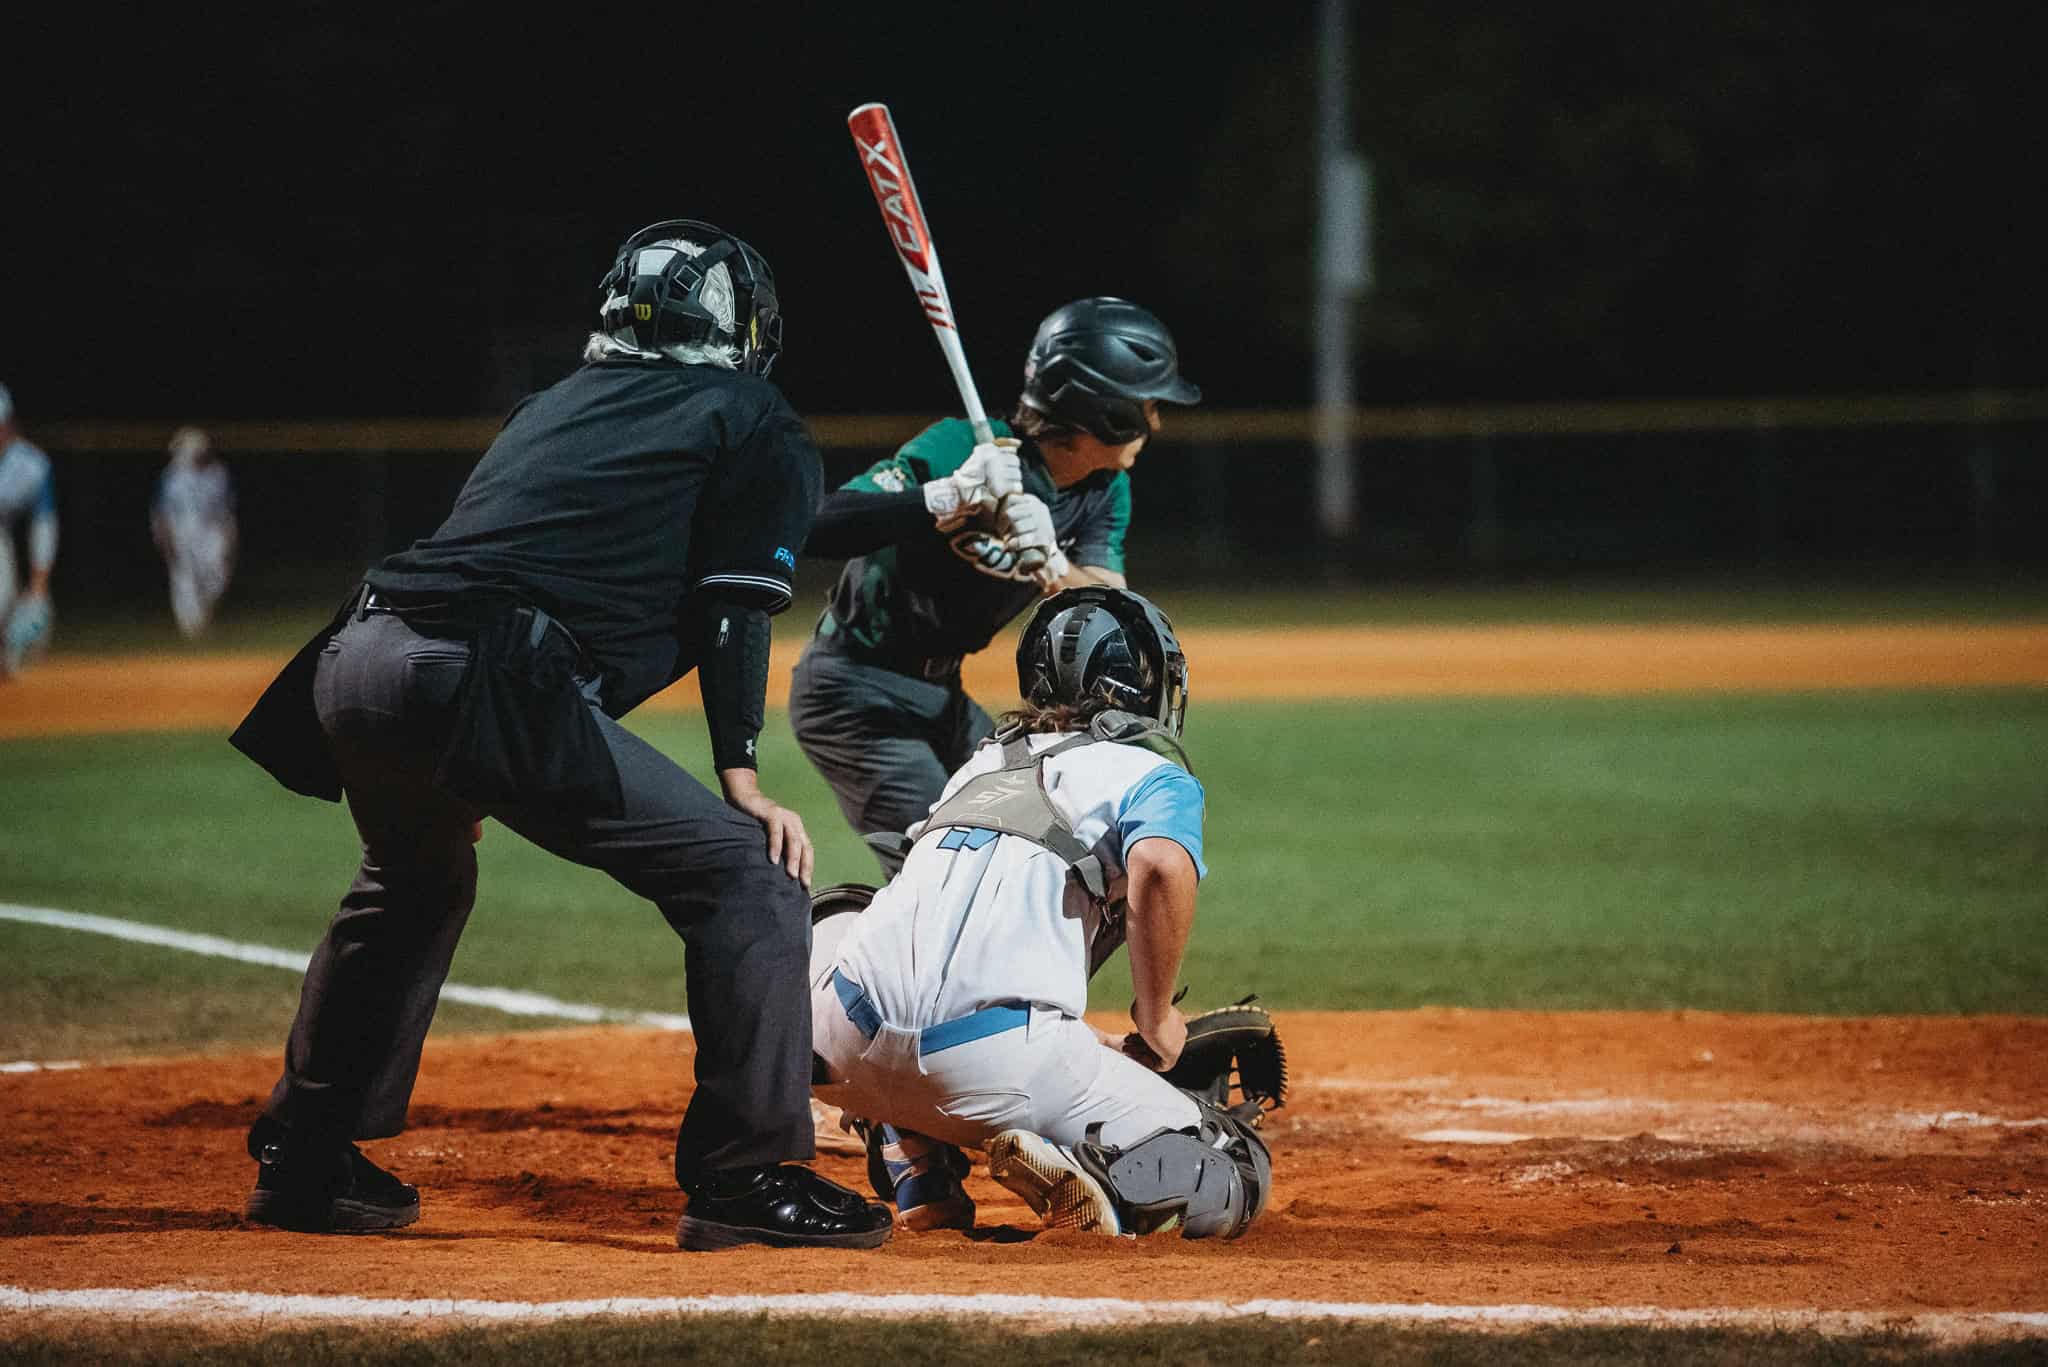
(723, 295)
(1104, 645)
(1094, 363)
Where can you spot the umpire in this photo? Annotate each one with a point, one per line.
(876, 699)
(635, 521)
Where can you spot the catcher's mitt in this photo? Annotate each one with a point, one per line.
(1234, 1047)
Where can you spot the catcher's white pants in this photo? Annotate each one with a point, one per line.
(1049, 1075)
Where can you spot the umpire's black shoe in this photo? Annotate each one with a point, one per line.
(322, 1186)
(787, 1206)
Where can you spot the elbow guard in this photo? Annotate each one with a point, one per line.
(732, 674)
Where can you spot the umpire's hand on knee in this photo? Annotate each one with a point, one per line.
(789, 844)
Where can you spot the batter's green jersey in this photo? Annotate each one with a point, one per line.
(948, 593)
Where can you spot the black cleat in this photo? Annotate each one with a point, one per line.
(785, 1206)
(323, 1187)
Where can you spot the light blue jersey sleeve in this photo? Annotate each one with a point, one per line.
(1166, 802)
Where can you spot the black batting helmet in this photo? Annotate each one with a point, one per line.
(724, 294)
(1104, 645)
(1094, 363)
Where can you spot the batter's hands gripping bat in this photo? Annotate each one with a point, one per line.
(888, 172)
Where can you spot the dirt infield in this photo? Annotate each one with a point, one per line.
(143, 693)
(1683, 1160)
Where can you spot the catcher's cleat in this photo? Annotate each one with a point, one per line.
(834, 1132)
(322, 1186)
(1051, 1183)
(784, 1206)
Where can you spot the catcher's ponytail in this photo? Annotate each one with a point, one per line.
(1052, 719)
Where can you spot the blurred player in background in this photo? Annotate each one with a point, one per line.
(192, 519)
(876, 700)
(948, 1011)
(28, 508)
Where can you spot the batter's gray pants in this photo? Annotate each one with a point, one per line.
(385, 695)
(886, 742)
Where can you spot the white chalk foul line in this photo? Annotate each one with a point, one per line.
(512, 1001)
(1061, 1310)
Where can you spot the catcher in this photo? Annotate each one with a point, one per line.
(947, 1012)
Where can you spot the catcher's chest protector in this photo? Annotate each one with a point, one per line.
(1013, 800)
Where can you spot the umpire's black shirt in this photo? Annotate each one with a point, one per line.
(610, 498)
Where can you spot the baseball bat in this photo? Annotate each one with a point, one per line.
(888, 173)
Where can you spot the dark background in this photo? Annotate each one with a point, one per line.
(333, 211)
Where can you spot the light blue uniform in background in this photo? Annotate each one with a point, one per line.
(28, 497)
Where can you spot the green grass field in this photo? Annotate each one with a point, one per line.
(1834, 853)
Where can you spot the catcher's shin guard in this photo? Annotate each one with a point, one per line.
(1211, 1181)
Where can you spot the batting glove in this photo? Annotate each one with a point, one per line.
(990, 473)
(1026, 524)
(28, 633)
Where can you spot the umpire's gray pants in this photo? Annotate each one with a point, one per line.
(385, 695)
(886, 742)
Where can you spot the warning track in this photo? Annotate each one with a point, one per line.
(82, 695)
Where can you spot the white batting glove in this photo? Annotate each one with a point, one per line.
(1048, 576)
(990, 473)
(1026, 524)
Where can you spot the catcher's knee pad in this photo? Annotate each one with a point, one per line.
(1214, 1178)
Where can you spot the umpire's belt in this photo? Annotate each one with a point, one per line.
(833, 636)
(452, 621)
(990, 1020)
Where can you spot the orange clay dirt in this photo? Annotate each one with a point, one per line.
(1687, 1160)
(83, 694)
(1683, 1160)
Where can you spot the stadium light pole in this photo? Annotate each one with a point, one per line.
(1343, 269)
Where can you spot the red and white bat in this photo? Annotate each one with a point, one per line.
(888, 172)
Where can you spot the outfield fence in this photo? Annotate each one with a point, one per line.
(1914, 482)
